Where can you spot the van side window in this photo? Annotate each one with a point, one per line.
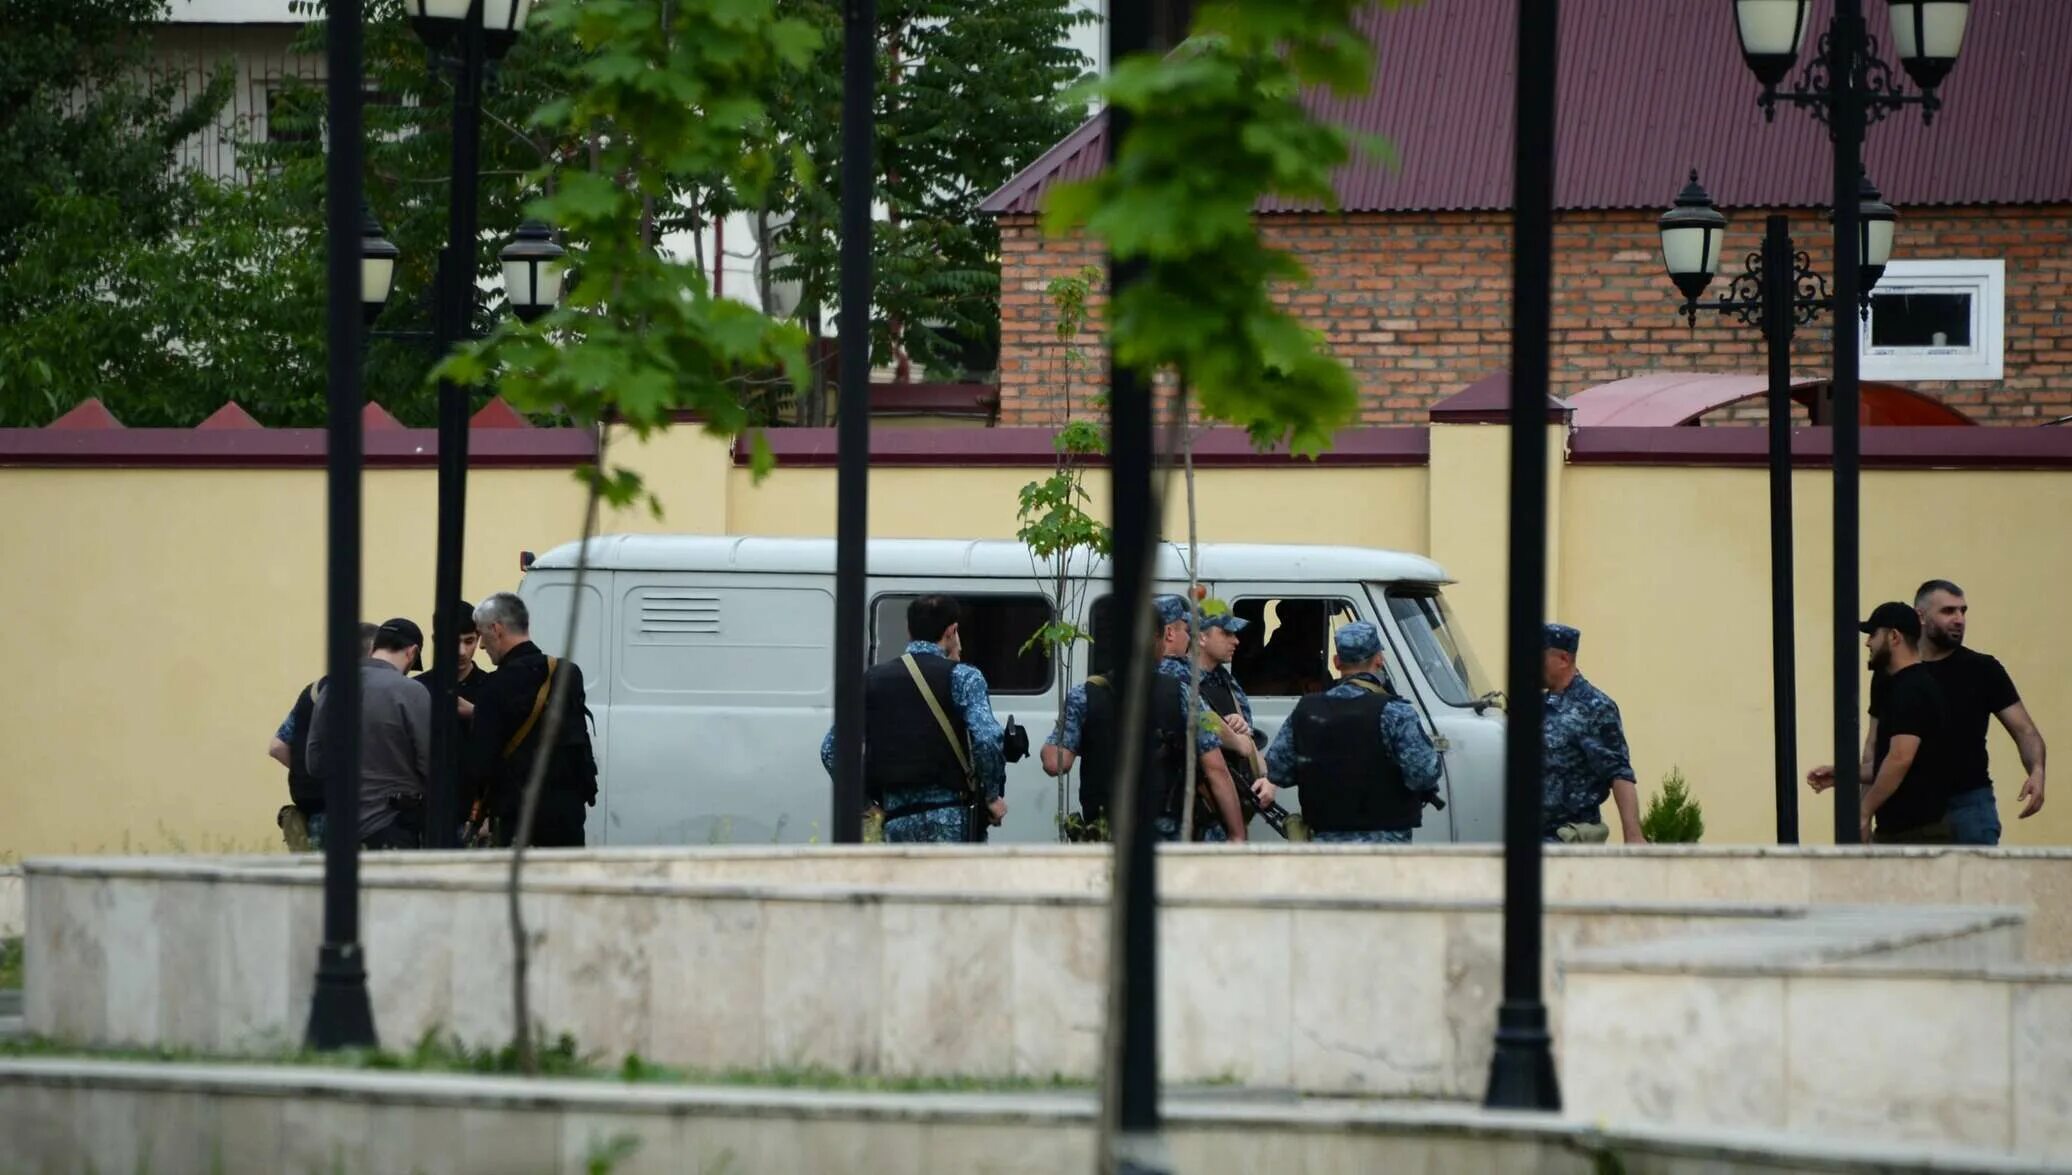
(1286, 650)
(993, 631)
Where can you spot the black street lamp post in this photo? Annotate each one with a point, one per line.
(1776, 292)
(853, 426)
(1849, 87)
(340, 1014)
(1521, 1072)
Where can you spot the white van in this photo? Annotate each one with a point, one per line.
(709, 664)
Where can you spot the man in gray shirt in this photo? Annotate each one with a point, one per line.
(395, 740)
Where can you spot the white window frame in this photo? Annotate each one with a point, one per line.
(1985, 281)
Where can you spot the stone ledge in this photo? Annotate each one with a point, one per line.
(1357, 1133)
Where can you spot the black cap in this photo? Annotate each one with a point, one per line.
(402, 633)
(1894, 615)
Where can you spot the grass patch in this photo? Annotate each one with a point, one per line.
(10, 963)
(559, 1058)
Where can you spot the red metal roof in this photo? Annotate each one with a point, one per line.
(1673, 398)
(1650, 89)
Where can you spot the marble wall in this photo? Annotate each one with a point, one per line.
(64, 1115)
(1324, 993)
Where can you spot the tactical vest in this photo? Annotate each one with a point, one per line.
(903, 746)
(1167, 743)
(1349, 777)
(305, 790)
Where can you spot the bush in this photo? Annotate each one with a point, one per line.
(1673, 817)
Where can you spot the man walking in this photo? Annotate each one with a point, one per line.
(931, 745)
(1586, 757)
(301, 820)
(1088, 735)
(1357, 752)
(508, 732)
(1910, 775)
(395, 741)
(1975, 688)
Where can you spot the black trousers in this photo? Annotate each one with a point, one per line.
(557, 825)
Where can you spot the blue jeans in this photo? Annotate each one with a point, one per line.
(1974, 818)
(1386, 836)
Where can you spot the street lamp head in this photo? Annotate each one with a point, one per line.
(1927, 35)
(1692, 233)
(440, 23)
(532, 271)
(1876, 225)
(1772, 33)
(377, 265)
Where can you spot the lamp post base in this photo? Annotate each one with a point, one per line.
(1521, 1075)
(340, 1015)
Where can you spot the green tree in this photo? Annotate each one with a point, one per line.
(1673, 816)
(968, 92)
(89, 201)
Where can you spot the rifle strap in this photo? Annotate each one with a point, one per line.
(1364, 684)
(539, 704)
(949, 732)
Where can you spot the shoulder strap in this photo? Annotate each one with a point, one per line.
(949, 732)
(539, 703)
(1369, 686)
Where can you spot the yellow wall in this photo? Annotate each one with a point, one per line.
(162, 619)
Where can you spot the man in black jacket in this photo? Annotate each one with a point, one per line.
(301, 820)
(510, 725)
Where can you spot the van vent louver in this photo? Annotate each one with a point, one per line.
(679, 613)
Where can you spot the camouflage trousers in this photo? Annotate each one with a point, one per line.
(1384, 836)
(946, 825)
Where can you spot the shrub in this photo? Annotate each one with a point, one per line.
(1673, 817)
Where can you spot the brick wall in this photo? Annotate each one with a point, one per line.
(1418, 304)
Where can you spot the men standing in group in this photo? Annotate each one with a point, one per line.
(1975, 688)
(508, 731)
(466, 686)
(395, 741)
(301, 820)
(1226, 699)
(1586, 757)
(931, 745)
(1093, 716)
(1910, 774)
(1357, 752)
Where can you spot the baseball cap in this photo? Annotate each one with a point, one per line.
(402, 633)
(1229, 622)
(1357, 642)
(1171, 609)
(1894, 615)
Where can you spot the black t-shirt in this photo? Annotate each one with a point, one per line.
(1911, 703)
(1975, 687)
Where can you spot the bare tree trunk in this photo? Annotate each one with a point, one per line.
(528, 808)
(763, 283)
(1194, 614)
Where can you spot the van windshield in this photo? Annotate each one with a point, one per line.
(1437, 643)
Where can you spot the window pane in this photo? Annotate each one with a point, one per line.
(1286, 650)
(993, 631)
(1921, 319)
(1434, 638)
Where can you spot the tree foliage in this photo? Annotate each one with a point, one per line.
(967, 94)
(90, 205)
(1673, 816)
(1214, 127)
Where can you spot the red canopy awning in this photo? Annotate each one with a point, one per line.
(1668, 399)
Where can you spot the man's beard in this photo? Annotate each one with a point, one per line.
(1881, 660)
(1951, 641)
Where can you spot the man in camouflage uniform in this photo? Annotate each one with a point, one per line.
(1358, 752)
(911, 767)
(1068, 741)
(1220, 632)
(1586, 757)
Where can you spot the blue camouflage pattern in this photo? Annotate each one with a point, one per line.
(1171, 609)
(1561, 636)
(1384, 836)
(1068, 732)
(286, 730)
(1206, 738)
(1585, 752)
(1230, 622)
(1400, 732)
(969, 694)
(1358, 643)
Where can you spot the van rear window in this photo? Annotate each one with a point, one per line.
(993, 631)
